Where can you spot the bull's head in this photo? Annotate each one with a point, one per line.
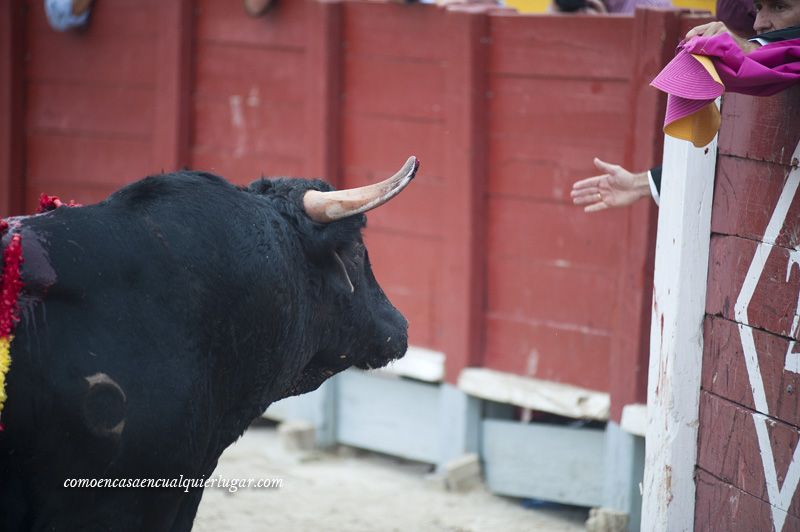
(360, 326)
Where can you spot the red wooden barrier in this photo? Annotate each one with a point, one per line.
(749, 418)
(485, 253)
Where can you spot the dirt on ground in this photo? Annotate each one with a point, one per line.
(354, 491)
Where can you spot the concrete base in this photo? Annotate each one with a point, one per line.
(605, 520)
(297, 435)
(463, 474)
(440, 424)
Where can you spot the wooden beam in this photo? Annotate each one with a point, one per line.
(463, 264)
(676, 339)
(323, 90)
(12, 107)
(535, 394)
(174, 86)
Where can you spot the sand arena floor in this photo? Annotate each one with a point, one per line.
(355, 491)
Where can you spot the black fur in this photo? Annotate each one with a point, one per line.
(204, 302)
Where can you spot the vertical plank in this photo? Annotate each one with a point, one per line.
(676, 340)
(463, 278)
(655, 34)
(323, 90)
(12, 105)
(174, 91)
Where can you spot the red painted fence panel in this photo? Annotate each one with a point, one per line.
(748, 466)
(484, 253)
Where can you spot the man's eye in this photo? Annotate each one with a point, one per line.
(757, 7)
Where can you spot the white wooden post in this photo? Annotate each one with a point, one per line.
(676, 335)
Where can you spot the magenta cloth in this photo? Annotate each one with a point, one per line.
(763, 72)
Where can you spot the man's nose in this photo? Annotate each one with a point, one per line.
(762, 22)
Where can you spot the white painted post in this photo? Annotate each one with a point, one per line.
(676, 335)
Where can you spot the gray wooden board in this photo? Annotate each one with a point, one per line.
(388, 414)
(549, 462)
(316, 407)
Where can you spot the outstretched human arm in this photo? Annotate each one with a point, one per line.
(616, 187)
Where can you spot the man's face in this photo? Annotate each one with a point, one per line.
(776, 14)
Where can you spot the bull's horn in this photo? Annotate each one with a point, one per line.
(326, 207)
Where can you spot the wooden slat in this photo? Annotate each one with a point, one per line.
(97, 161)
(243, 170)
(417, 212)
(246, 125)
(405, 32)
(126, 112)
(173, 85)
(389, 415)
(226, 70)
(654, 36)
(721, 506)
(548, 350)
(745, 195)
(410, 282)
(12, 94)
(566, 462)
(551, 291)
(76, 58)
(774, 302)
(579, 241)
(462, 269)
(379, 143)
(284, 25)
(771, 126)
(415, 89)
(583, 47)
(534, 394)
(725, 372)
(323, 89)
(728, 448)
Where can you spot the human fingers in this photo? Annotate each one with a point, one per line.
(588, 182)
(712, 28)
(599, 206)
(587, 200)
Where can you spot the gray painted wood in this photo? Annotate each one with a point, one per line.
(553, 463)
(388, 414)
(624, 472)
(317, 407)
(459, 425)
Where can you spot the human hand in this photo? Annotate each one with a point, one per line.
(617, 187)
(718, 28)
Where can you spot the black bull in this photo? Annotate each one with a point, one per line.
(156, 325)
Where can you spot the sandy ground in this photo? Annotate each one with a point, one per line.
(355, 491)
